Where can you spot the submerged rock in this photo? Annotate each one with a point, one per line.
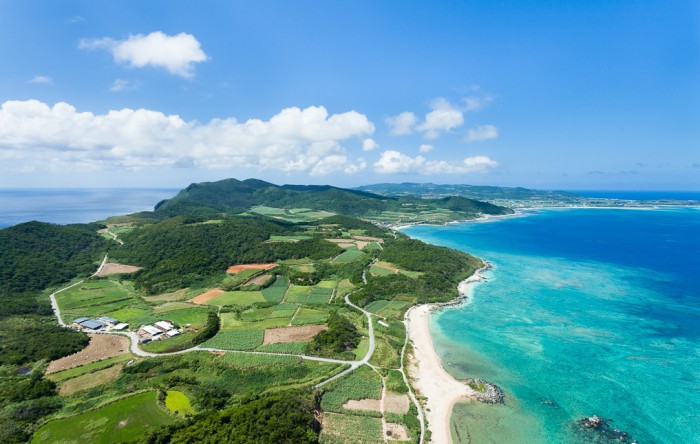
(603, 430)
(485, 391)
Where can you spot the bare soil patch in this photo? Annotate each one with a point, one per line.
(396, 403)
(167, 297)
(89, 380)
(369, 239)
(387, 267)
(259, 280)
(300, 333)
(361, 244)
(233, 269)
(396, 432)
(204, 297)
(100, 347)
(114, 268)
(373, 405)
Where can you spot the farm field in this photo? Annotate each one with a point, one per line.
(89, 380)
(365, 430)
(291, 334)
(294, 238)
(314, 294)
(236, 269)
(116, 422)
(349, 255)
(276, 291)
(387, 308)
(95, 298)
(236, 339)
(363, 383)
(100, 347)
(309, 316)
(295, 215)
(88, 368)
(247, 361)
(237, 298)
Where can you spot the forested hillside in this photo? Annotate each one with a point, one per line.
(180, 251)
(36, 255)
(232, 196)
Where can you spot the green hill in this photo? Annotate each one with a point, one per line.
(231, 196)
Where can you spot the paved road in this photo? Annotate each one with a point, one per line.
(54, 304)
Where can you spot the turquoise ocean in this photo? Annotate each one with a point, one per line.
(586, 312)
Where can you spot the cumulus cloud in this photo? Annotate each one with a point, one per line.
(481, 133)
(369, 145)
(394, 162)
(43, 80)
(38, 136)
(476, 103)
(177, 53)
(401, 124)
(443, 117)
(425, 148)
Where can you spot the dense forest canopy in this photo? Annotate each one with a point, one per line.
(36, 255)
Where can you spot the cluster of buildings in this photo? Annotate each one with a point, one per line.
(102, 323)
(159, 330)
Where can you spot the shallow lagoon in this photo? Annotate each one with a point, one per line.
(586, 312)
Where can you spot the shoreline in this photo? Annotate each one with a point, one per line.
(426, 371)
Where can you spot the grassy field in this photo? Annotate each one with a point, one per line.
(196, 316)
(386, 308)
(349, 255)
(350, 429)
(236, 339)
(178, 402)
(237, 298)
(120, 421)
(363, 383)
(295, 238)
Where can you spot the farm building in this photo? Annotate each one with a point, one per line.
(92, 324)
(108, 321)
(151, 330)
(171, 333)
(120, 327)
(164, 325)
(79, 321)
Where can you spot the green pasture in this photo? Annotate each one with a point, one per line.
(309, 316)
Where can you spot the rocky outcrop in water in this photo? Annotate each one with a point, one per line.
(601, 430)
(485, 391)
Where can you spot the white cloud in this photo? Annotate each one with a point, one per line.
(481, 133)
(425, 148)
(393, 162)
(177, 53)
(443, 117)
(401, 124)
(369, 145)
(122, 85)
(44, 80)
(476, 103)
(38, 136)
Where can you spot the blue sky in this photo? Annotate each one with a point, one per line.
(543, 94)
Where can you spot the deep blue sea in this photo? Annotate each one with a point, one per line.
(72, 205)
(587, 311)
(640, 195)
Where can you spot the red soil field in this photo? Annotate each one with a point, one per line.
(204, 297)
(233, 269)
